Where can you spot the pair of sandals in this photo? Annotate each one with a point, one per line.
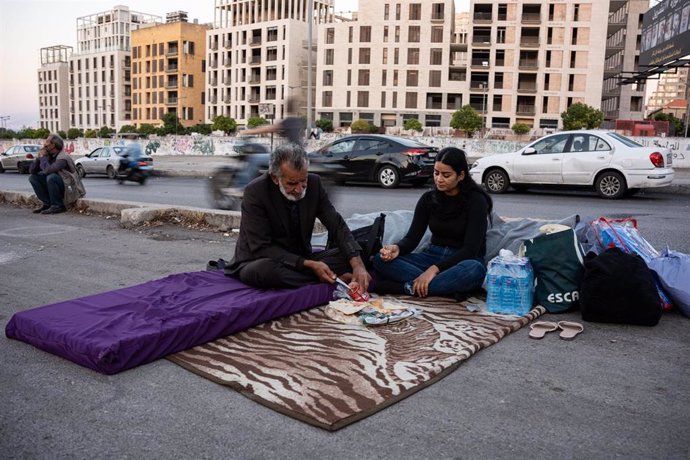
(569, 329)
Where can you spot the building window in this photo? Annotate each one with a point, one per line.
(437, 11)
(397, 11)
(365, 34)
(384, 58)
(435, 78)
(413, 56)
(396, 56)
(576, 12)
(330, 36)
(329, 56)
(363, 98)
(327, 99)
(386, 12)
(397, 34)
(364, 55)
(349, 55)
(574, 42)
(363, 77)
(383, 99)
(413, 34)
(501, 35)
(437, 34)
(415, 11)
(327, 78)
(349, 34)
(385, 34)
(412, 77)
(410, 100)
(188, 47)
(384, 77)
(394, 104)
(436, 56)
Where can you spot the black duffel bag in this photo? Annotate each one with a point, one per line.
(617, 287)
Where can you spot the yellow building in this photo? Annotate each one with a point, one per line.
(168, 68)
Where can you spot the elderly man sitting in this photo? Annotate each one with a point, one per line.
(279, 209)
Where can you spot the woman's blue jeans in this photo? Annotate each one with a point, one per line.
(462, 277)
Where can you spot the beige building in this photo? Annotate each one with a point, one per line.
(258, 57)
(672, 85)
(53, 88)
(390, 62)
(168, 64)
(100, 88)
(623, 39)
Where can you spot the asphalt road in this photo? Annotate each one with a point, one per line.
(615, 391)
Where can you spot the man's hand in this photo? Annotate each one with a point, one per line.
(360, 274)
(421, 283)
(322, 271)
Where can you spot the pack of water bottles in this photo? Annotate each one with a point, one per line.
(509, 284)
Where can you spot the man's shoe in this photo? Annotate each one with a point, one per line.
(41, 209)
(54, 210)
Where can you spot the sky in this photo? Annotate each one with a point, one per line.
(26, 26)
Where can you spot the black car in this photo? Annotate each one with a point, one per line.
(388, 160)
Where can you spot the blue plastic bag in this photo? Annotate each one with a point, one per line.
(672, 269)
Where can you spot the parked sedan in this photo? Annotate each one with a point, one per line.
(388, 160)
(610, 163)
(104, 160)
(18, 157)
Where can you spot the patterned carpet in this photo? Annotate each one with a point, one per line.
(330, 375)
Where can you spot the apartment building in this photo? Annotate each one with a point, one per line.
(672, 85)
(623, 40)
(168, 65)
(257, 57)
(53, 88)
(390, 62)
(100, 82)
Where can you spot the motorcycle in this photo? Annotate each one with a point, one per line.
(136, 171)
(226, 185)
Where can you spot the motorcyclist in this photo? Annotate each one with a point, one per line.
(132, 152)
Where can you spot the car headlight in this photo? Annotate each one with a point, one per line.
(475, 164)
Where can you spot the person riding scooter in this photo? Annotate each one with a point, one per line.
(131, 154)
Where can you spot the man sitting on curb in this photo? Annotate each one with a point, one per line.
(279, 209)
(45, 178)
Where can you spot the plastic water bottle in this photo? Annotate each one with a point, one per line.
(508, 291)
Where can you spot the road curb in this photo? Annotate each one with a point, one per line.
(133, 214)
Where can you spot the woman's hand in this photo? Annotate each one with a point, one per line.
(421, 283)
(389, 252)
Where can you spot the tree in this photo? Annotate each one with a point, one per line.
(254, 122)
(466, 119)
(146, 129)
(171, 124)
(128, 129)
(676, 122)
(74, 133)
(520, 128)
(360, 126)
(226, 124)
(62, 134)
(325, 124)
(105, 132)
(201, 128)
(579, 116)
(7, 134)
(41, 133)
(90, 133)
(413, 124)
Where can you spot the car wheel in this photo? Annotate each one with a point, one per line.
(496, 181)
(610, 185)
(220, 186)
(388, 176)
(80, 171)
(110, 171)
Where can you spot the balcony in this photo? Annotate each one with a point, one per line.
(172, 51)
(255, 60)
(254, 98)
(457, 46)
(481, 108)
(531, 18)
(529, 42)
(528, 64)
(255, 41)
(460, 62)
(529, 87)
(255, 79)
(482, 17)
(227, 99)
(612, 70)
(213, 63)
(616, 23)
(227, 81)
(171, 101)
(227, 62)
(213, 46)
(227, 44)
(213, 99)
(526, 110)
(171, 68)
(481, 40)
(213, 81)
(479, 86)
(481, 62)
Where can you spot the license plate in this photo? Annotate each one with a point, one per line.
(432, 154)
(669, 159)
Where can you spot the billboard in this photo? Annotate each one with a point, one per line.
(665, 33)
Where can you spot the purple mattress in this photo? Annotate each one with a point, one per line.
(121, 329)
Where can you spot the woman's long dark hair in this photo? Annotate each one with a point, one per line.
(456, 159)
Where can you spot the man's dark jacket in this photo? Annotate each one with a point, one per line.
(265, 227)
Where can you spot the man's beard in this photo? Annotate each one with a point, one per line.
(290, 197)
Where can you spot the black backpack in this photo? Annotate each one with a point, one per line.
(370, 238)
(617, 287)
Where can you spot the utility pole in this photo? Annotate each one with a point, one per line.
(310, 20)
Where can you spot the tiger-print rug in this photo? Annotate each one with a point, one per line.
(330, 374)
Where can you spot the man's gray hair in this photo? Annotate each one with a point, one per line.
(56, 140)
(290, 153)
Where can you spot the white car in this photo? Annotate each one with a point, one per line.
(611, 163)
